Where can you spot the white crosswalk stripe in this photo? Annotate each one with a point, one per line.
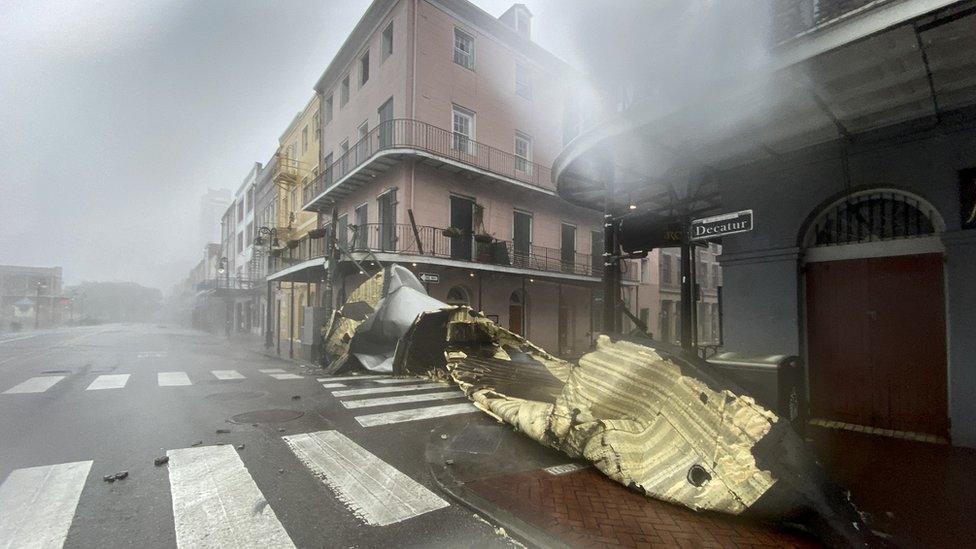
(333, 385)
(375, 491)
(109, 381)
(349, 378)
(226, 374)
(34, 385)
(172, 379)
(286, 376)
(37, 504)
(402, 399)
(397, 380)
(416, 414)
(272, 371)
(380, 390)
(216, 502)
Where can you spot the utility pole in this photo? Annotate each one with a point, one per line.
(687, 290)
(611, 265)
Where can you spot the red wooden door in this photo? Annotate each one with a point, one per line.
(876, 342)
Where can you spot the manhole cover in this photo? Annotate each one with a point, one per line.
(267, 416)
(478, 439)
(236, 395)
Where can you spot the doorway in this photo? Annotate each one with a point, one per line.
(876, 314)
(462, 218)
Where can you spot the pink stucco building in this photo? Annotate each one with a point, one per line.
(438, 125)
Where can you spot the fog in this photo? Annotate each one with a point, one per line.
(118, 115)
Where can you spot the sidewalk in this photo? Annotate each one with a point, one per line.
(915, 494)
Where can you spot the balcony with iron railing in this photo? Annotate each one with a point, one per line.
(381, 146)
(226, 283)
(434, 242)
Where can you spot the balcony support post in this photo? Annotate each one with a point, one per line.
(291, 323)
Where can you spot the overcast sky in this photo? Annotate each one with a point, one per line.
(116, 116)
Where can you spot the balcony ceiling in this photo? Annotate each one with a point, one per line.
(872, 83)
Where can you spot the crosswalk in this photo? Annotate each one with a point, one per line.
(385, 391)
(215, 500)
(41, 384)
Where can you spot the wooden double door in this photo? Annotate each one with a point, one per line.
(876, 339)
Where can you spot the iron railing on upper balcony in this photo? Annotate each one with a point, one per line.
(225, 283)
(791, 18)
(402, 133)
(447, 244)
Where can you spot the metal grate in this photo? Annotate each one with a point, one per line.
(872, 217)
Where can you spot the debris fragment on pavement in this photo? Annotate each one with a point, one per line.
(649, 416)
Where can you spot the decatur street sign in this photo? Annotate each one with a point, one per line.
(720, 225)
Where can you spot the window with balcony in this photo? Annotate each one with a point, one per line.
(523, 153)
(523, 84)
(596, 253)
(567, 247)
(328, 109)
(387, 42)
(362, 218)
(361, 142)
(463, 49)
(318, 126)
(344, 92)
(522, 232)
(665, 269)
(342, 231)
(327, 166)
(463, 130)
(364, 69)
(645, 270)
(343, 158)
(386, 203)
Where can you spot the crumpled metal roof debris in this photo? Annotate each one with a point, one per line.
(649, 417)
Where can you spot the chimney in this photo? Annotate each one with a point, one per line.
(519, 18)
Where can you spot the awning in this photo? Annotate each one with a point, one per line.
(311, 270)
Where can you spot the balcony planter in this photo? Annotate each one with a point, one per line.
(292, 244)
(316, 233)
(276, 252)
(483, 238)
(452, 232)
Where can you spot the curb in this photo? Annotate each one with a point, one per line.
(521, 531)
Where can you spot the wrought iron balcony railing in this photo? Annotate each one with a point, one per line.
(446, 244)
(222, 283)
(402, 133)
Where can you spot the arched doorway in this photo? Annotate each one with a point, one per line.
(458, 295)
(516, 313)
(875, 312)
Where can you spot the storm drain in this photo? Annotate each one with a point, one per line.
(478, 439)
(267, 416)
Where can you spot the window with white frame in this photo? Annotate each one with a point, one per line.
(364, 69)
(344, 92)
(463, 128)
(523, 153)
(463, 49)
(387, 42)
(523, 84)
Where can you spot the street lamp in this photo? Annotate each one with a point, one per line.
(272, 234)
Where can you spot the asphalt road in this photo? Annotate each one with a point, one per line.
(364, 482)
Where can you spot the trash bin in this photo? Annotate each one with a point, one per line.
(776, 381)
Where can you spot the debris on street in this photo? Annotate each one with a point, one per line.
(116, 476)
(223, 431)
(161, 460)
(649, 416)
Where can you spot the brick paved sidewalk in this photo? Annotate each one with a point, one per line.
(586, 509)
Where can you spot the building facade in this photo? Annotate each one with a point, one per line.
(859, 169)
(213, 204)
(439, 123)
(31, 297)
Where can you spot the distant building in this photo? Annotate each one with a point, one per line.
(30, 297)
(213, 204)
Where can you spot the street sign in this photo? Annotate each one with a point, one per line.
(721, 225)
(649, 231)
(430, 278)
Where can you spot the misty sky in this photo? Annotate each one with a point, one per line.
(115, 116)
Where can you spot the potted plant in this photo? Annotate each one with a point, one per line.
(452, 232)
(483, 238)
